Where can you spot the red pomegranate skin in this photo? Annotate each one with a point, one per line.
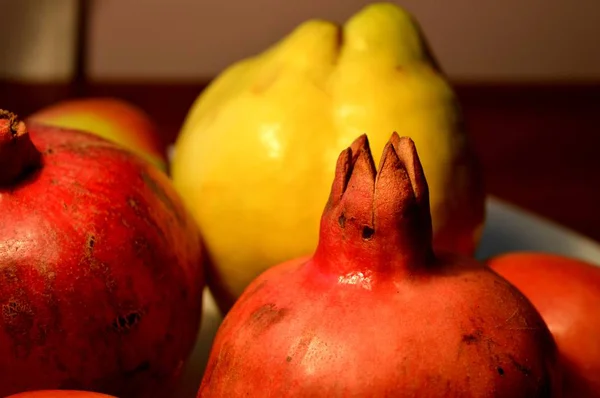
(100, 272)
(60, 394)
(374, 313)
(566, 292)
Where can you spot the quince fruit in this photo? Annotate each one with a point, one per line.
(256, 155)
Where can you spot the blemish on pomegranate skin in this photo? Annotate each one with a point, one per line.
(474, 337)
(342, 220)
(367, 233)
(124, 323)
(470, 339)
(500, 371)
(14, 308)
(301, 346)
(520, 367)
(91, 241)
(266, 316)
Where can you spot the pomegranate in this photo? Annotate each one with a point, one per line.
(566, 292)
(60, 394)
(100, 267)
(375, 313)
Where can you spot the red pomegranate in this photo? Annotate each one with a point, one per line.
(60, 394)
(566, 292)
(100, 267)
(374, 313)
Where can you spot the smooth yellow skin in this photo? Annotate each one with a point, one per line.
(256, 156)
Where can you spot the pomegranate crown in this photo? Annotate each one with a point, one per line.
(18, 155)
(381, 213)
(11, 122)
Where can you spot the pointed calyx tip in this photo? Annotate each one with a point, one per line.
(405, 150)
(357, 159)
(18, 155)
(400, 153)
(386, 205)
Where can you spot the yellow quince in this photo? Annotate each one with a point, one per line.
(255, 158)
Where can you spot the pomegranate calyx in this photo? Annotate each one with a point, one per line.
(18, 154)
(401, 199)
(377, 220)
